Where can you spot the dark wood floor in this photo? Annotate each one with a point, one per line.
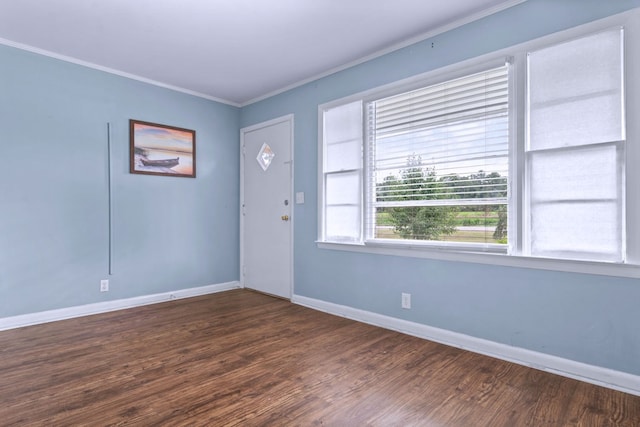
(246, 359)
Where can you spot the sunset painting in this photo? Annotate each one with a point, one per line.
(162, 150)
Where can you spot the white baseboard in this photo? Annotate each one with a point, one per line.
(103, 307)
(609, 378)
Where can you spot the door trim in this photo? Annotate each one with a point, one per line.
(290, 119)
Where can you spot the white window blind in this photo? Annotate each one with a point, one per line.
(342, 173)
(575, 149)
(438, 161)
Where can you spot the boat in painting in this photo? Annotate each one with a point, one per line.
(165, 163)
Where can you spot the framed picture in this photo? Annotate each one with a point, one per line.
(162, 150)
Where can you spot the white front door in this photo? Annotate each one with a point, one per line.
(266, 207)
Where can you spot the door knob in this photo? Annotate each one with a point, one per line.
(285, 217)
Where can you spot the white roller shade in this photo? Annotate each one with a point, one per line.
(575, 153)
(342, 173)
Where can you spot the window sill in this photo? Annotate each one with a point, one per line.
(486, 256)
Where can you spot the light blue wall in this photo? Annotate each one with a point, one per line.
(591, 319)
(168, 233)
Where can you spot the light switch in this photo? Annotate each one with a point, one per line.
(300, 198)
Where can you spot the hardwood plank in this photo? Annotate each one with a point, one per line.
(240, 358)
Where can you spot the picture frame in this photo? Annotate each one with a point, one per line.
(157, 149)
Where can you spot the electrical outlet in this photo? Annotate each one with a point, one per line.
(406, 301)
(104, 285)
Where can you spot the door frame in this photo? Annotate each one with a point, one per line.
(286, 118)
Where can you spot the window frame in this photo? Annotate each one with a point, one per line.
(514, 254)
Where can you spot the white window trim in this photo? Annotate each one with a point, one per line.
(411, 250)
(487, 254)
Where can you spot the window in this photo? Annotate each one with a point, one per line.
(575, 149)
(522, 156)
(343, 173)
(438, 161)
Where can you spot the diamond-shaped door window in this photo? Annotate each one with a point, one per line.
(265, 156)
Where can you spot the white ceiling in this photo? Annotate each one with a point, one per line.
(235, 51)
